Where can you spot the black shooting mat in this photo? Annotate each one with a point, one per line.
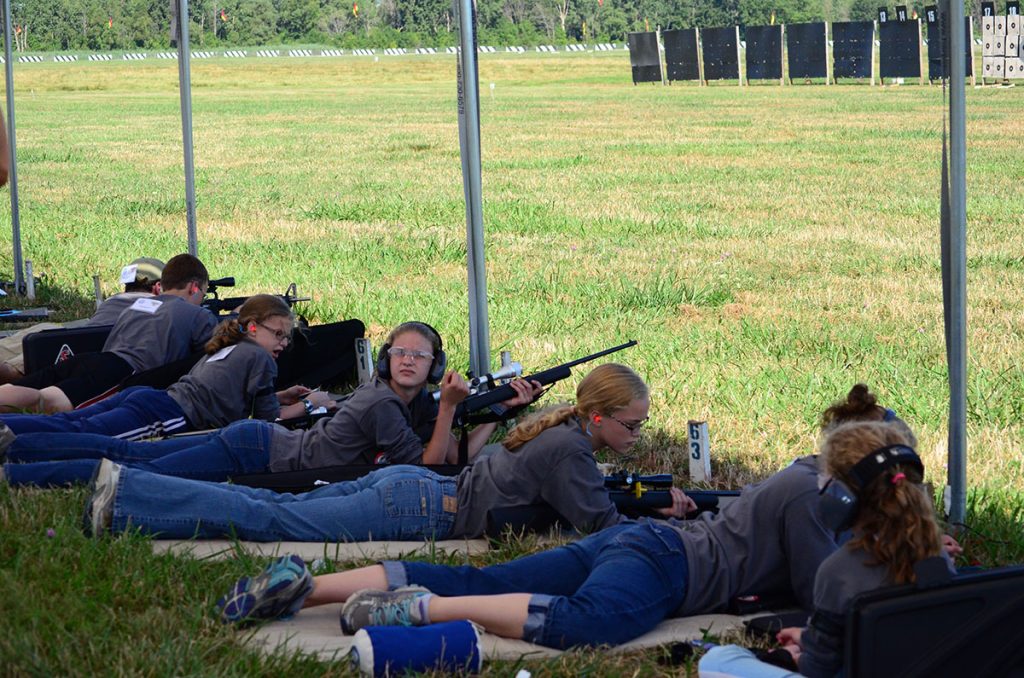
(900, 53)
(681, 58)
(721, 60)
(644, 57)
(852, 44)
(764, 52)
(936, 46)
(807, 54)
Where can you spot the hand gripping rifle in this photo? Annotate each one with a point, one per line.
(638, 495)
(488, 394)
(491, 399)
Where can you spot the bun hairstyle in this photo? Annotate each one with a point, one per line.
(861, 404)
(607, 388)
(895, 521)
(256, 309)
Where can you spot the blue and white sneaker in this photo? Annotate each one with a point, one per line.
(406, 606)
(276, 593)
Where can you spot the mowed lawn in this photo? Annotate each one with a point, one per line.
(768, 247)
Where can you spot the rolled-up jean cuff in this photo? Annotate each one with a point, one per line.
(394, 574)
(536, 617)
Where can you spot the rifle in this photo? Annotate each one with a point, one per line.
(496, 394)
(229, 305)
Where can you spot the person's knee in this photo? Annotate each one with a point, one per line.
(52, 399)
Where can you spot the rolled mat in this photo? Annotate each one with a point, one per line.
(396, 650)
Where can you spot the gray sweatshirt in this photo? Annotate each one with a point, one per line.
(154, 331)
(236, 382)
(557, 468)
(373, 426)
(111, 307)
(769, 540)
(843, 575)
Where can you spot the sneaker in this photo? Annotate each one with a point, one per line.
(6, 438)
(276, 593)
(99, 507)
(406, 606)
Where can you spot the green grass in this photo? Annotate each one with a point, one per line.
(768, 247)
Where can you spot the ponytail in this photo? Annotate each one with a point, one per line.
(256, 309)
(895, 521)
(537, 423)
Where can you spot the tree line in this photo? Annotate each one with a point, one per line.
(49, 25)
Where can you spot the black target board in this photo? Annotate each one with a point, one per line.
(852, 45)
(681, 59)
(645, 57)
(807, 51)
(721, 53)
(899, 55)
(936, 45)
(764, 52)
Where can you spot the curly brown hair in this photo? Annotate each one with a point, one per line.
(895, 521)
(607, 388)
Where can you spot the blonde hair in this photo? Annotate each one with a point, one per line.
(607, 388)
(256, 309)
(895, 519)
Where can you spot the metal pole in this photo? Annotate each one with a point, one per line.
(469, 143)
(957, 350)
(19, 264)
(185, 90)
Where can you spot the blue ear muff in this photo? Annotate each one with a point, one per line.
(437, 367)
(838, 501)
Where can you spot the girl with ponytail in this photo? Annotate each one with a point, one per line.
(894, 528)
(233, 381)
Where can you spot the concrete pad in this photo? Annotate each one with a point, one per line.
(222, 549)
(317, 631)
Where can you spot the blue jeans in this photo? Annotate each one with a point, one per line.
(67, 458)
(608, 588)
(396, 502)
(133, 414)
(733, 660)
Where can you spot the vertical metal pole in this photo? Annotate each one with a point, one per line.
(469, 143)
(12, 180)
(185, 91)
(957, 350)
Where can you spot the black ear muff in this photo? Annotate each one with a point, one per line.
(384, 362)
(838, 501)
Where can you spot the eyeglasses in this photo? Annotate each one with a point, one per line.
(280, 335)
(632, 428)
(399, 352)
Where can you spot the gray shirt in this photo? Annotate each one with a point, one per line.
(110, 309)
(373, 426)
(155, 331)
(843, 575)
(769, 540)
(236, 382)
(556, 468)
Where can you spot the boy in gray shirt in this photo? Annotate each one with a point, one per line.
(149, 333)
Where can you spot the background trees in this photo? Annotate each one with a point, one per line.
(143, 24)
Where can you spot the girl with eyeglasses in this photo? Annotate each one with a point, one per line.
(233, 381)
(391, 419)
(551, 460)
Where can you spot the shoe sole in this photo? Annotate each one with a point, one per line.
(251, 599)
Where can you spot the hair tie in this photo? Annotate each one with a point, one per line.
(899, 478)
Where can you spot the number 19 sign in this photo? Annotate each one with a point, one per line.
(700, 451)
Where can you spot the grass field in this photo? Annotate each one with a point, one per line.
(767, 246)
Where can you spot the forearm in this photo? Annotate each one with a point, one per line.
(436, 450)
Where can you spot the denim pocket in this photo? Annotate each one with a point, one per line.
(655, 540)
(410, 497)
